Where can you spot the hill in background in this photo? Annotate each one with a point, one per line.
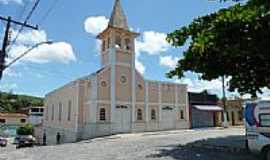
(10, 102)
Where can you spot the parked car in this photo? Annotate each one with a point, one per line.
(257, 117)
(3, 142)
(24, 141)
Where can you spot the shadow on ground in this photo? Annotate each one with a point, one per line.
(226, 148)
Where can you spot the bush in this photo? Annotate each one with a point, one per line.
(26, 130)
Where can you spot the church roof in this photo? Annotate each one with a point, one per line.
(118, 18)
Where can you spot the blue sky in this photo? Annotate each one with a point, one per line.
(73, 26)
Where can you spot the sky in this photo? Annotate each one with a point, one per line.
(73, 25)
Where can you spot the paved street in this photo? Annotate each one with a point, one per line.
(170, 145)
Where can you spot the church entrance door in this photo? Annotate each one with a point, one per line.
(122, 119)
(168, 118)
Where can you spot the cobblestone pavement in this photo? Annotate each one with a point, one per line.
(169, 145)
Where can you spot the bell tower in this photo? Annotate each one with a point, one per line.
(117, 37)
(118, 54)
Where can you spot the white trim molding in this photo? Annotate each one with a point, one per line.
(133, 72)
(159, 101)
(93, 102)
(77, 106)
(113, 80)
(176, 103)
(146, 99)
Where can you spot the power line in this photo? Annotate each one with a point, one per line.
(3, 51)
(25, 22)
(51, 8)
(20, 16)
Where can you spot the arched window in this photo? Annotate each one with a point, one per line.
(103, 45)
(153, 114)
(139, 115)
(118, 41)
(52, 115)
(182, 116)
(69, 110)
(127, 44)
(109, 42)
(102, 114)
(60, 112)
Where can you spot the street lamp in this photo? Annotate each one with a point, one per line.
(25, 53)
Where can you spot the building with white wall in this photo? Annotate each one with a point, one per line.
(35, 115)
(116, 98)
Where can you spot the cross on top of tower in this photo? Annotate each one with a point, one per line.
(118, 18)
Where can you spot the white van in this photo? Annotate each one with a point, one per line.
(257, 121)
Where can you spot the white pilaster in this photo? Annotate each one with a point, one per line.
(160, 101)
(133, 72)
(187, 105)
(112, 54)
(176, 103)
(146, 100)
(93, 106)
(76, 114)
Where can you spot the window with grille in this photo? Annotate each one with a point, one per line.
(102, 114)
(153, 114)
(52, 115)
(139, 115)
(182, 116)
(60, 112)
(69, 110)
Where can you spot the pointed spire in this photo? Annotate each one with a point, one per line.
(118, 18)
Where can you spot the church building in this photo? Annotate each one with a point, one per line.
(116, 98)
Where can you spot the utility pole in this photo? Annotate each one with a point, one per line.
(225, 120)
(3, 52)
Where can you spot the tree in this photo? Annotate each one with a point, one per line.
(233, 42)
(26, 130)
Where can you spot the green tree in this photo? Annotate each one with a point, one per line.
(26, 130)
(233, 42)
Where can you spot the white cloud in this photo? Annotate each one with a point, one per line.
(152, 43)
(58, 51)
(5, 2)
(168, 61)
(95, 24)
(139, 66)
(195, 85)
(11, 1)
(30, 37)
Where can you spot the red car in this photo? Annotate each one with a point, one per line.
(3, 142)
